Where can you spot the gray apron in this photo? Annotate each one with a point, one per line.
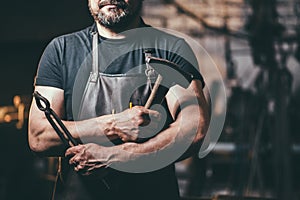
(105, 94)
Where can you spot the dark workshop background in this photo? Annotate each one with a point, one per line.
(255, 44)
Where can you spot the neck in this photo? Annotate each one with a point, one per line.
(117, 32)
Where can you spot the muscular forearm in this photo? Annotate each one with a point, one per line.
(99, 130)
(183, 137)
(44, 140)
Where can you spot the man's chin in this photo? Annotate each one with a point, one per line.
(112, 20)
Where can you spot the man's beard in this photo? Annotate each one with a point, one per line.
(119, 16)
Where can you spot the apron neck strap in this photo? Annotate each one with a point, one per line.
(95, 58)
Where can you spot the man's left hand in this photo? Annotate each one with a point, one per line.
(94, 159)
(87, 158)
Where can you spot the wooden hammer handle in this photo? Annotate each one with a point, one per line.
(154, 91)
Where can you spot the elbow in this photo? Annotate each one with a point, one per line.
(42, 146)
(202, 130)
(38, 147)
(35, 142)
(203, 124)
(197, 134)
(200, 133)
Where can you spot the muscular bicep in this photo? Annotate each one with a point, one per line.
(55, 96)
(179, 97)
(38, 124)
(190, 111)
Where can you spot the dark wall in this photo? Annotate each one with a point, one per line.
(26, 28)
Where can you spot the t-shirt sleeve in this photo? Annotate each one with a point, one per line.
(49, 71)
(184, 57)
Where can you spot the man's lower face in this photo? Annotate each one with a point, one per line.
(112, 15)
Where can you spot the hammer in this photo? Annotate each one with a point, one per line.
(169, 74)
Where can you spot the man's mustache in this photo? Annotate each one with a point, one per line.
(118, 3)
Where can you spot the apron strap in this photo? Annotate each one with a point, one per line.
(94, 73)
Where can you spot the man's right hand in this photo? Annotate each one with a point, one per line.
(136, 122)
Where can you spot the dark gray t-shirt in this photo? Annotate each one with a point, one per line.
(67, 57)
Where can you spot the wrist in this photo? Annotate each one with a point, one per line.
(135, 148)
(106, 125)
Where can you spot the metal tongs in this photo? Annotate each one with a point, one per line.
(44, 105)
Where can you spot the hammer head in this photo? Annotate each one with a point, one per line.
(171, 73)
